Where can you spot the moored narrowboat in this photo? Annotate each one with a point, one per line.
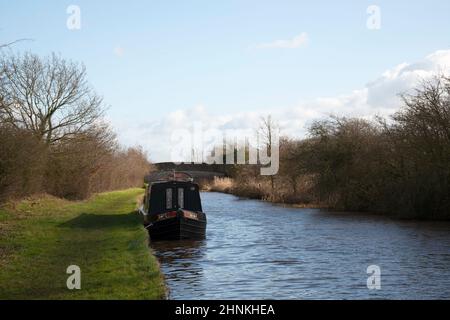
(172, 209)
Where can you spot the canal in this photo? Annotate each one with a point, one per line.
(257, 250)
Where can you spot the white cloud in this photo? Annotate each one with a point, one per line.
(156, 136)
(384, 91)
(119, 51)
(379, 97)
(295, 42)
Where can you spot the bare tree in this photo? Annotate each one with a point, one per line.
(5, 45)
(48, 96)
(265, 130)
(266, 134)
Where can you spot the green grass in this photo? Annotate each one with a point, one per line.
(41, 237)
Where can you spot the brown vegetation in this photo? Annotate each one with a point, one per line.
(399, 166)
(52, 136)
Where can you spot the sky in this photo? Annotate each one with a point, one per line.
(162, 65)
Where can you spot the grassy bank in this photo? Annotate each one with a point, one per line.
(41, 237)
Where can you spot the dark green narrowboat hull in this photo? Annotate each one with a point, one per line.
(178, 228)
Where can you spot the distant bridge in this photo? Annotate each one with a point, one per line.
(201, 172)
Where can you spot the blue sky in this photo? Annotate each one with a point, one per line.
(152, 58)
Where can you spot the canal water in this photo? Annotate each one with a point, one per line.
(257, 250)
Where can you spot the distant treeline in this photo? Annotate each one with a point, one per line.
(52, 135)
(398, 166)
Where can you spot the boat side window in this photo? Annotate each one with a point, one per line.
(147, 197)
(181, 197)
(169, 198)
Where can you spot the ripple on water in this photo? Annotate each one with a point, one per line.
(255, 250)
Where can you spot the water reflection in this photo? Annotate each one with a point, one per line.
(181, 262)
(261, 251)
